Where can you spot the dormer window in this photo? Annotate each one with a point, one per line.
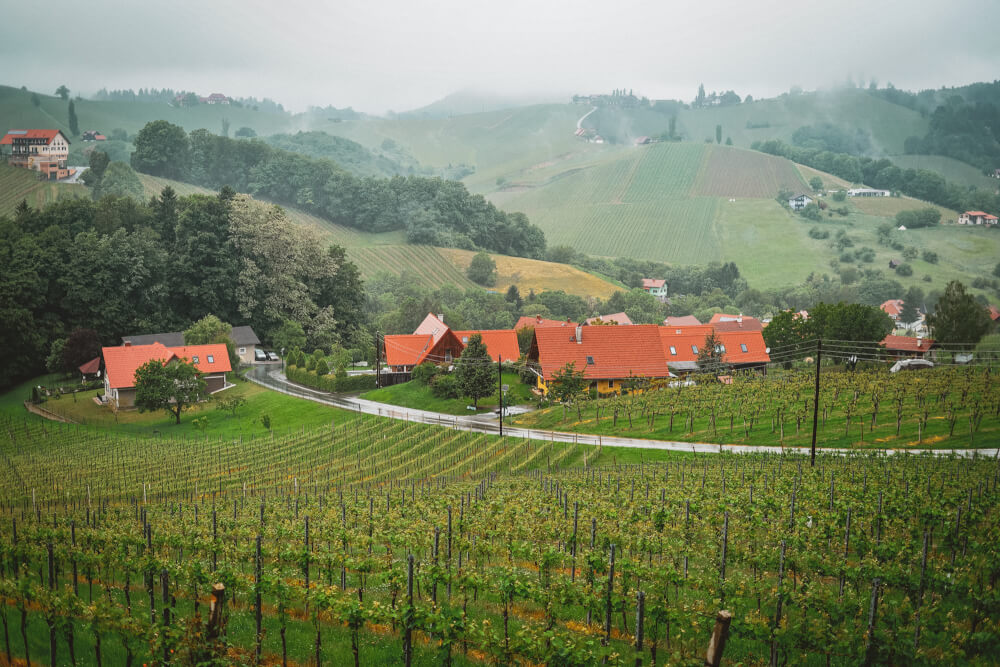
(743, 346)
(590, 360)
(465, 340)
(673, 350)
(194, 359)
(211, 359)
(694, 348)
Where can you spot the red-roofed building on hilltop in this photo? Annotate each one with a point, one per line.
(977, 218)
(656, 286)
(723, 322)
(121, 363)
(607, 356)
(44, 151)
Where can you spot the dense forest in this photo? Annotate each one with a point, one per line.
(431, 210)
(119, 267)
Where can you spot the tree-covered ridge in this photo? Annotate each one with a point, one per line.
(123, 267)
(431, 210)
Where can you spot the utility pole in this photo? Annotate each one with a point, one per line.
(500, 390)
(378, 361)
(819, 359)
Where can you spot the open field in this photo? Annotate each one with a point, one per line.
(514, 550)
(742, 173)
(18, 184)
(424, 265)
(533, 274)
(888, 207)
(417, 396)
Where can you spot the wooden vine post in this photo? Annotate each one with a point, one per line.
(717, 644)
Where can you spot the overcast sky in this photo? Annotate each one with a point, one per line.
(376, 55)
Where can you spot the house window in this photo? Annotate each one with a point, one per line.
(465, 339)
(743, 346)
(694, 348)
(195, 359)
(243, 350)
(211, 359)
(673, 350)
(447, 356)
(590, 360)
(611, 384)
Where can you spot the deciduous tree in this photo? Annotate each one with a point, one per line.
(474, 371)
(172, 387)
(958, 319)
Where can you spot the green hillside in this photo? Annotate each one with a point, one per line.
(18, 184)
(950, 168)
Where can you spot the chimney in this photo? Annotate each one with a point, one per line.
(579, 334)
(127, 343)
(538, 319)
(441, 317)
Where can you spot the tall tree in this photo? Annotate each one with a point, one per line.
(482, 270)
(74, 124)
(718, 134)
(162, 149)
(567, 383)
(958, 319)
(119, 180)
(63, 92)
(475, 372)
(98, 164)
(172, 387)
(210, 329)
(710, 354)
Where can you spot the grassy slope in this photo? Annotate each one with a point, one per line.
(22, 184)
(949, 168)
(418, 396)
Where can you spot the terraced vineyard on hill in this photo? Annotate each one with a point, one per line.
(371, 541)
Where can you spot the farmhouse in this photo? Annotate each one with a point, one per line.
(908, 347)
(977, 218)
(246, 342)
(121, 363)
(44, 151)
(799, 201)
(607, 356)
(740, 349)
(681, 321)
(867, 192)
(435, 342)
(724, 322)
(93, 135)
(538, 322)
(893, 308)
(656, 286)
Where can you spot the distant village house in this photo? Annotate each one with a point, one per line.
(977, 218)
(656, 286)
(44, 151)
(799, 201)
(867, 192)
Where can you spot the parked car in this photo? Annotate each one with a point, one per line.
(259, 355)
(271, 356)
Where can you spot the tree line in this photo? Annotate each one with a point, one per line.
(120, 266)
(431, 210)
(882, 173)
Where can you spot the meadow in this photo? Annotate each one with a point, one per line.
(398, 543)
(17, 185)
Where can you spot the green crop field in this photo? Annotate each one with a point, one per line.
(742, 173)
(18, 184)
(423, 265)
(361, 542)
(950, 168)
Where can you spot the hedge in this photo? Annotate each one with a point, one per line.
(329, 382)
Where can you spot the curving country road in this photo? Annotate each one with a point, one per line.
(276, 380)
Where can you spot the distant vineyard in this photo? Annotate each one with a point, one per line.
(730, 172)
(370, 542)
(23, 184)
(423, 265)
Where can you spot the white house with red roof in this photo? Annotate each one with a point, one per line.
(655, 286)
(977, 218)
(44, 151)
(121, 363)
(908, 347)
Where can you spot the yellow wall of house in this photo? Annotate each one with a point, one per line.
(608, 387)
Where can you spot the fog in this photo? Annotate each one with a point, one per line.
(377, 55)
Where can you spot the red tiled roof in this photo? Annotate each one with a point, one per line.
(91, 366)
(122, 362)
(756, 347)
(681, 339)
(502, 342)
(724, 322)
(976, 213)
(682, 321)
(618, 318)
(8, 138)
(892, 307)
(211, 358)
(617, 352)
(407, 349)
(539, 322)
(433, 326)
(994, 312)
(907, 344)
(648, 283)
(990, 217)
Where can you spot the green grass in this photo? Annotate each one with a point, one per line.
(734, 173)
(423, 265)
(418, 396)
(286, 412)
(950, 168)
(18, 184)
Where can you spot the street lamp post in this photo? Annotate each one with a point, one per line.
(282, 361)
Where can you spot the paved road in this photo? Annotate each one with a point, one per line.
(487, 423)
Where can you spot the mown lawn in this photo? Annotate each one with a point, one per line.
(418, 396)
(285, 412)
